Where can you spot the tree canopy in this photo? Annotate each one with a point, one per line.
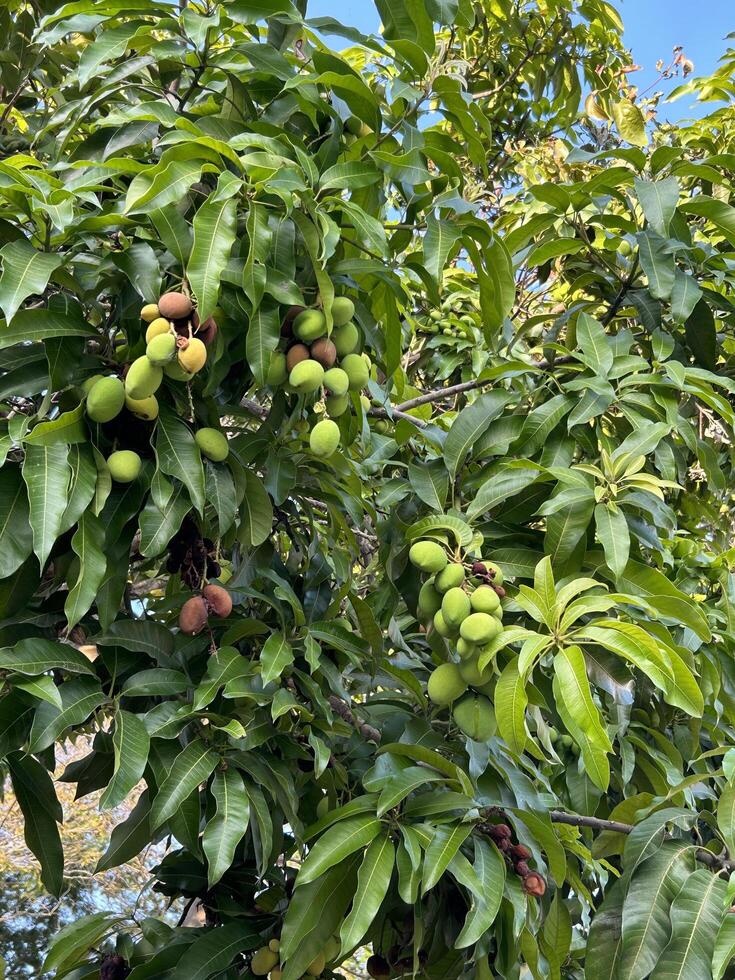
(366, 417)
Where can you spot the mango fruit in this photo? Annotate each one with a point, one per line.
(143, 378)
(479, 628)
(475, 717)
(263, 962)
(193, 357)
(455, 607)
(296, 354)
(156, 328)
(429, 601)
(150, 312)
(346, 339)
(174, 306)
(316, 967)
(336, 405)
(161, 349)
(143, 408)
(324, 438)
(445, 684)
(175, 371)
(466, 649)
(356, 370)
(343, 309)
(105, 399)
(471, 673)
(124, 465)
(441, 627)
(213, 444)
(485, 599)
(277, 372)
(336, 381)
(427, 556)
(306, 377)
(450, 577)
(324, 351)
(310, 325)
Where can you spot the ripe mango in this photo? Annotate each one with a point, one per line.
(105, 399)
(336, 381)
(475, 718)
(346, 339)
(193, 617)
(161, 349)
(310, 325)
(343, 309)
(157, 327)
(445, 684)
(484, 599)
(324, 351)
(277, 372)
(427, 556)
(174, 306)
(296, 354)
(450, 577)
(263, 962)
(150, 312)
(336, 405)
(455, 607)
(429, 601)
(193, 357)
(356, 370)
(144, 408)
(479, 628)
(306, 377)
(143, 378)
(213, 444)
(472, 674)
(124, 465)
(324, 438)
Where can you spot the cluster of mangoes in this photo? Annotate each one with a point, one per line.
(517, 857)
(314, 361)
(171, 350)
(461, 601)
(457, 310)
(194, 614)
(266, 960)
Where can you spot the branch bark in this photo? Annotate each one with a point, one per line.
(344, 711)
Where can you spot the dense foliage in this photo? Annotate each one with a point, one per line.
(413, 611)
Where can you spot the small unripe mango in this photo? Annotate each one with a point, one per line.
(429, 601)
(105, 399)
(450, 577)
(455, 607)
(144, 408)
(356, 370)
(149, 312)
(484, 599)
(364, 402)
(324, 351)
(346, 339)
(427, 556)
(479, 628)
(336, 405)
(124, 465)
(336, 381)
(213, 444)
(472, 674)
(156, 328)
(193, 357)
(310, 325)
(324, 438)
(475, 718)
(306, 377)
(441, 626)
(143, 378)
(263, 962)
(274, 945)
(277, 372)
(161, 349)
(465, 649)
(343, 309)
(174, 306)
(445, 684)
(316, 967)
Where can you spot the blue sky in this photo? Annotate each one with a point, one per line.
(652, 29)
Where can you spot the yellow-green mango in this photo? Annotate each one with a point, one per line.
(485, 599)
(124, 465)
(343, 309)
(306, 376)
(213, 444)
(455, 607)
(143, 378)
(427, 556)
(346, 339)
(450, 577)
(479, 628)
(324, 438)
(105, 399)
(445, 684)
(310, 325)
(475, 718)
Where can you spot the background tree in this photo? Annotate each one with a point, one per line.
(367, 472)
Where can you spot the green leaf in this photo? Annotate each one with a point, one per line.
(605, 943)
(429, 482)
(16, 535)
(373, 879)
(129, 837)
(69, 428)
(173, 231)
(47, 474)
(444, 845)
(350, 175)
(596, 348)
(490, 869)
(131, 743)
(630, 122)
(71, 944)
(658, 198)
(402, 785)
(612, 532)
(191, 767)
(35, 655)
(571, 673)
(721, 214)
(138, 636)
(256, 512)
(339, 842)
(657, 263)
(556, 937)
(511, 702)
(34, 791)
(724, 948)
(275, 656)
(685, 296)
(92, 566)
(210, 954)
(701, 335)
(156, 682)
(646, 923)
(696, 916)
(264, 331)
(227, 827)
(469, 425)
(546, 251)
(215, 224)
(25, 273)
(79, 698)
(38, 325)
(178, 455)
(439, 241)
(726, 816)
(223, 666)
(163, 185)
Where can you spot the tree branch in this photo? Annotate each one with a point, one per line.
(344, 711)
